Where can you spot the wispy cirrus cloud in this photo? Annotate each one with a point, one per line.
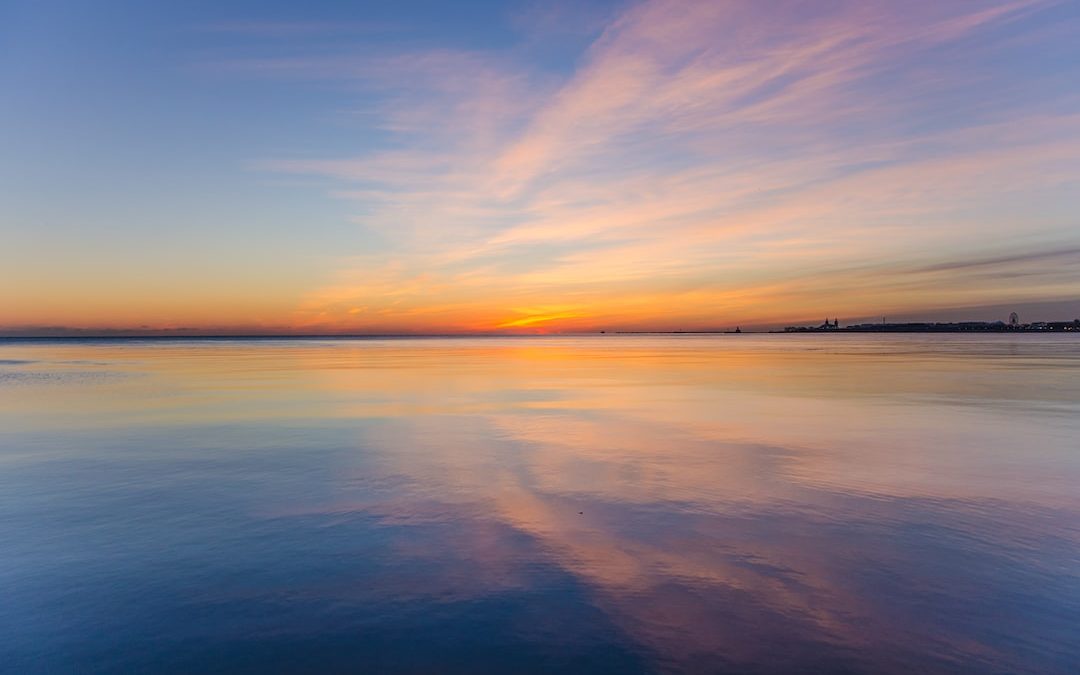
(702, 163)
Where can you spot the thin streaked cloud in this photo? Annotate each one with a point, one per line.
(727, 147)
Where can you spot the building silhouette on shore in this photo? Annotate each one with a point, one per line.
(1013, 325)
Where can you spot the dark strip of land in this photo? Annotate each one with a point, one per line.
(962, 327)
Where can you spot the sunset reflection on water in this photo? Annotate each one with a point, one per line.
(608, 503)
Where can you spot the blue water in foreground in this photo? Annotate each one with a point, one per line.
(722, 504)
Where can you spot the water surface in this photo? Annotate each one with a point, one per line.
(736, 503)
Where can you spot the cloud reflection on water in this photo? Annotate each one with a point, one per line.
(883, 505)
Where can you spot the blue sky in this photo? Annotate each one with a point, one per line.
(535, 166)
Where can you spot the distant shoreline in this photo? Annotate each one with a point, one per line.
(848, 330)
(959, 327)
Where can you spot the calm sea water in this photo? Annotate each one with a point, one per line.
(743, 504)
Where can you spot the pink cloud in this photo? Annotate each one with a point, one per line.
(737, 148)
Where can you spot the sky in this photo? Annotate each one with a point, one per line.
(434, 167)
